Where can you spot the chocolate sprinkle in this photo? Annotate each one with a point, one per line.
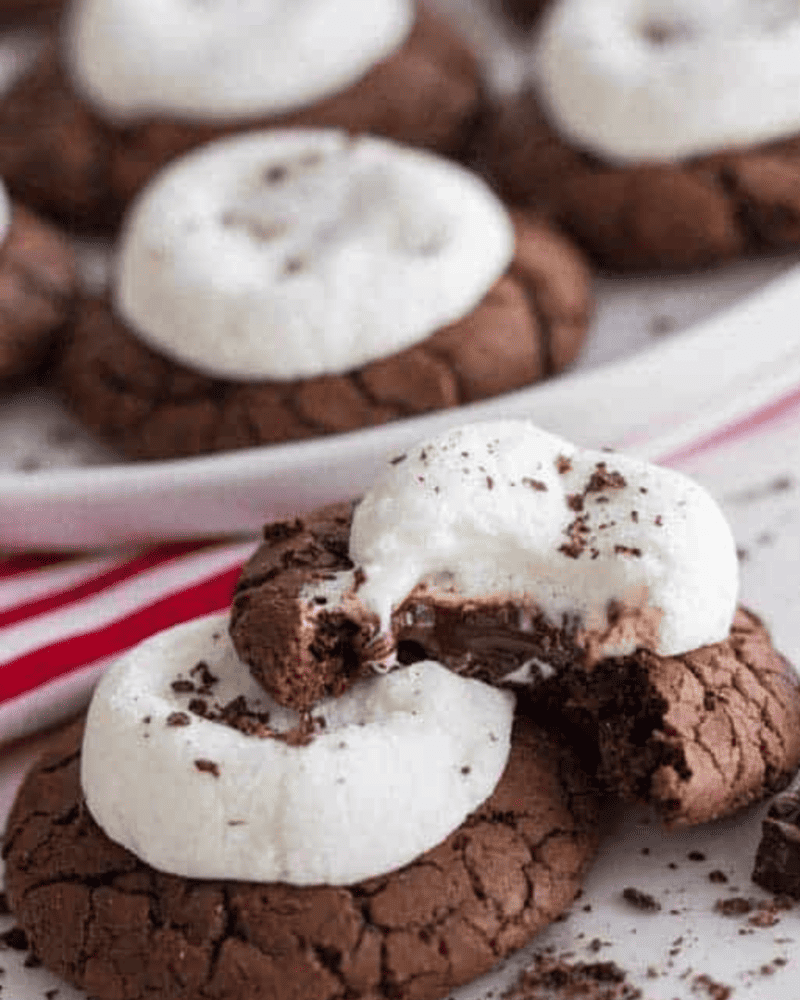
(207, 766)
(534, 484)
(182, 686)
(641, 900)
(178, 719)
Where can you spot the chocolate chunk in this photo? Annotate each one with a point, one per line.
(777, 863)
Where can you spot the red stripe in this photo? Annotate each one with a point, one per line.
(744, 427)
(149, 559)
(28, 562)
(42, 665)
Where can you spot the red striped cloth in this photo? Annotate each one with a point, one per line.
(64, 617)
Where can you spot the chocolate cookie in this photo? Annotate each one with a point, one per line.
(650, 217)
(38, 287)
(58, 155)
(106, 922)
(531, 324)
(699, 735)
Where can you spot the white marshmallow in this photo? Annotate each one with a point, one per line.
(225, 59)
(289, 254)
(5, 212)
(399, 763)
(483, 510)
(637, 80)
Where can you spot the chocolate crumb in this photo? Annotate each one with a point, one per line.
(489, 483)
(147, 720)
(275, 174)
(576, 532)
(207, 679)
(635, 516)
(558, 978)
(534, 484)
(199, 706)
(715, 990)
(641, 900)
(563, 464)
(15, 938)
(178, 719)
(207, 766)
(696, 856)
(628, 550)
(734, 907)
(717, 877)
(658, 520)
(604, 478)
(236, 822)
(575, 501)
(182, 686)
(398, 459)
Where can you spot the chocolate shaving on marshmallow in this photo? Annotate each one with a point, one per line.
(616, 553)
(379, 775)
(635, 81)
(294, 253)
(225, 59)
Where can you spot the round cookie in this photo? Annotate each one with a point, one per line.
(699, 736)
(104, 921)
(530, 324)
(59, 155)
(38, 288)
(654, 215)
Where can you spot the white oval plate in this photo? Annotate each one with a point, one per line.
(612, 398)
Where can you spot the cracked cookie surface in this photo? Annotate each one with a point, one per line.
(105, 921)
(650, 217)
(699, 736)
(531, 324)
(38, 286)
(58, 155)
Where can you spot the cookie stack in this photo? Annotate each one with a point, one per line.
(382, 771)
